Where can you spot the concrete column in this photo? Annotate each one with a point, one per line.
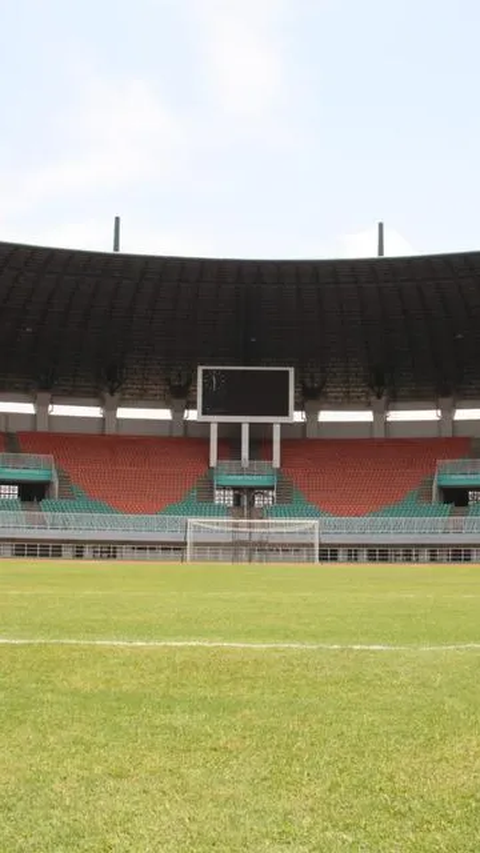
(312, 409)
(379, 409)
(446, 406)
(177, 408)
(245, 444)
(42, 406)
(276, 460)
(213, 445)
(110, 406)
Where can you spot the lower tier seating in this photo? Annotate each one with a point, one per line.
(193, 508)
(105, 474)
(361, 477)
(126, 474)
(11, 504)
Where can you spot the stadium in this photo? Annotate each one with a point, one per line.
(240, 531)
(350, 401)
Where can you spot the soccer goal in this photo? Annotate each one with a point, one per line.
(253, 540)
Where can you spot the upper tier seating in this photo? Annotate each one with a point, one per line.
(129, 474)
(358, 477)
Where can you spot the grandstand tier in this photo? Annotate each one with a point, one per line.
(126, 474)
(359, 477)
(344, 477)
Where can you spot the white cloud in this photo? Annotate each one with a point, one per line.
(127, 132)
(117, 134)
(243, 56)
(120, 135)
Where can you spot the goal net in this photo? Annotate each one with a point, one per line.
(253, 540)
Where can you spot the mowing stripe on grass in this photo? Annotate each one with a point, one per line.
(218, 644)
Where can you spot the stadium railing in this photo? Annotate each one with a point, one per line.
(36, 461)
(254, 467)
(16, 520)
(91, 522)
(459, 466)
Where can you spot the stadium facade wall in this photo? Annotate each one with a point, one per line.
(95, 426)
(176, 552)
(20, 422)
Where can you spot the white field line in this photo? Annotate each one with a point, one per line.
(116, 593)
(252, 646)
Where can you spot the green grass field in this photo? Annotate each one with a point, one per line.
(257, 748)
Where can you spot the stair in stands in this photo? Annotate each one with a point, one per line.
(426, 490)
(237, 512)
(204, 488)
(34, 516)
(65, 486)
(284, 491)
(257, 513)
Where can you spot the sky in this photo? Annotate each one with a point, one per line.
(241, 128)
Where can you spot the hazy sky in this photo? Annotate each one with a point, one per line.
(247, 128)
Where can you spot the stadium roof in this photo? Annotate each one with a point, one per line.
(79, 322)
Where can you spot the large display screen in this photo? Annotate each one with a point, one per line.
(260, 394)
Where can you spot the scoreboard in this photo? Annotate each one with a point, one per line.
(245, 394)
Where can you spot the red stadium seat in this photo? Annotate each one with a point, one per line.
(356, 477)
(131, 474)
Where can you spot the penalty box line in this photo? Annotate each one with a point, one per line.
(252, 646)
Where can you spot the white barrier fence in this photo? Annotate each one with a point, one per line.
(22, 520)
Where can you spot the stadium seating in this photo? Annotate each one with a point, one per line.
(360, 477)
(330, 477)
(191, 507)
(413, 507)
(127, 474)
(298, 508)
(10, 505)
(11, 513)
(77, 504)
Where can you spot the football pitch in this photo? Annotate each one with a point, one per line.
(243, 709)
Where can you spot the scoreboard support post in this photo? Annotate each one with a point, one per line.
(245, 445)
(245, 451)
(213, 444)
(276, 436)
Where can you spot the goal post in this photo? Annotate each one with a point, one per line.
(234, 540)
